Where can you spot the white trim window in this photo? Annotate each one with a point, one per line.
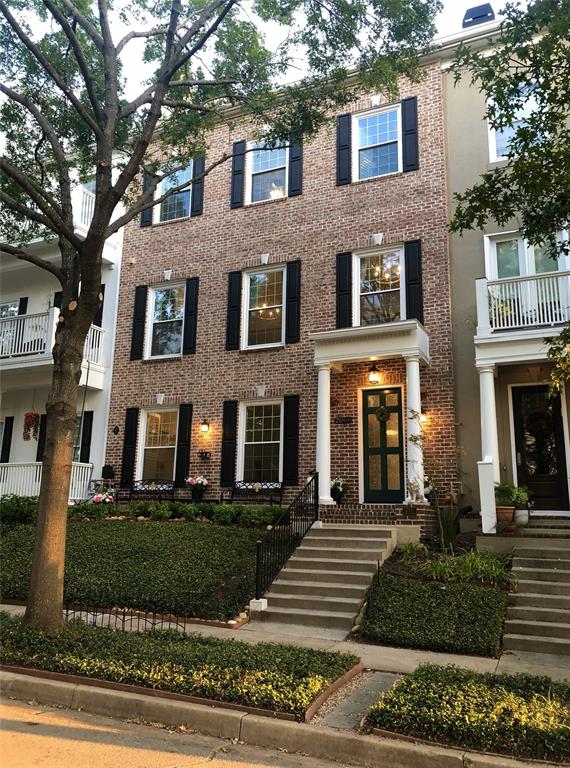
(260, 456)
(158, 452)
(509, 256)
(165, 312)
(267, 172)
(379, 287)
(263, 319)
(177, 206)
(376, 143)
(500, 138)
(9, 309)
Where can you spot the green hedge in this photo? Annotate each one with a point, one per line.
(517, 715)
(279, 677)
(201, 570)
(409, 613)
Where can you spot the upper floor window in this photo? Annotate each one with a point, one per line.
(379, 287)
(267, 173)
(500, 138)
(177, 206)
(260, 446)
(376, 143)
(159, 447)
(510, 256)
(264, 317)
(166, 320)
(9, 309)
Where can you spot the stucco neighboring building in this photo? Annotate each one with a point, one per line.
(292, 313)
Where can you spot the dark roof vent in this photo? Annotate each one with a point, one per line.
(480, 14)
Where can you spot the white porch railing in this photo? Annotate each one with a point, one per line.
(84, 205)
(24, 479)
(32, 336)
(523, 302)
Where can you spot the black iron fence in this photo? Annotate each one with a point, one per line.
(285, 535)
(100, 614)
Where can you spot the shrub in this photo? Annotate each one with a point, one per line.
(278, 677)
(518, 715)
(486, 567)
(409, 613)
(16, 510)
(92, 511)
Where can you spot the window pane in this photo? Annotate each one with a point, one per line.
(161, 429)
(392, 431)
(377, 161)
(373, 430)
(268, 186)
(378, 129)
(508, 258)
(266, 159)
(265, 320)
(178, 205)
(262, 442)
(158, 464)
(266, 290)
(169, 303)
(374, 473)
(392, 400)
(543, 262)
(166, 338)
(261, 462)
(77, 440)
(263, 423)
(379, 272)
(378, 308)
(265, 327)
(393, 463)
(10, 309)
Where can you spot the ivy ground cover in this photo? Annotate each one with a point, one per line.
(282, 678)
(197, 570)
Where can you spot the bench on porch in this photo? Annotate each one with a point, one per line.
(146, 490)
(254, 492)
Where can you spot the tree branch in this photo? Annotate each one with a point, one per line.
(45, 202)
(144, 34)
(35, 260)
(84, 23)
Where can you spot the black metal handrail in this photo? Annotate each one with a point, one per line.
(285, 535)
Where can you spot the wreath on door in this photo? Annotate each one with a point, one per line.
(382, 413)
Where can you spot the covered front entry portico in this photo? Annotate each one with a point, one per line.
(390, 466)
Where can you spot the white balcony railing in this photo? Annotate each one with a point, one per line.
(83, 205)
(30, 337)
(24, 479)
(523, 302)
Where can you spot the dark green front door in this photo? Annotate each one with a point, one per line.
(383, 445)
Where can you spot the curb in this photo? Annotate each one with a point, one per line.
(319, 742)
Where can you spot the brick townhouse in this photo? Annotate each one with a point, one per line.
(292, 312)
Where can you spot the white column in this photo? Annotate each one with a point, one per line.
(415, 462)
(489, 433)
(324, 434)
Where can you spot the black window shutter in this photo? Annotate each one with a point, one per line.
(7, 439)
(23, 305)
(343, 150)
(234, 310)
(344, 290)
(98, 321)
(197, 203)
(57, 299)
(190, 316)
(411, 159)
(41, 438)
(137, 340)
(229, 443)
(293, 303)
(295, 182)
(183, 445)
(291, 440)
(146, 215)
(129, 446)
(86, 432)
(413, 266)
(238, 174)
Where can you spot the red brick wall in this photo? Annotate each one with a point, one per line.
(313, 227)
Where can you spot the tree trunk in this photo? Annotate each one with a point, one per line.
(45, 601)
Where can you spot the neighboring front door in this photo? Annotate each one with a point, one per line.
(383, 445)
(539, 445)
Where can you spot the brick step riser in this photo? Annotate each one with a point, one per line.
(362, 532)
(538, 613)
(347, 543)
(536, 645)
(539, 600)
(520, 627)
(316, 590)
(550, 574)
(312, 603)
(543, 588)
(554, 563)
(360, 579)
(372, 555)
(323, 622)
(360, 566)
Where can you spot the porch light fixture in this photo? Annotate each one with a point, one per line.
(205, 426)
(423, 415)
(373, 374)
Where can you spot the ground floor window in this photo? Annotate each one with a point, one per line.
(261, 440)
(159, 447)
(77, 440)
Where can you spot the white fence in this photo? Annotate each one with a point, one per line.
(24, 479)
(85, 203)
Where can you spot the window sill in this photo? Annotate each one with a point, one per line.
(162, 358)
(375, 178)
(263, 347)
(170, 221)
(266, 202)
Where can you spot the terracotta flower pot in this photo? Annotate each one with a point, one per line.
(505, 514)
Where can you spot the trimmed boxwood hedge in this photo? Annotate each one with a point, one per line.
(201, 570)
(518, 715)
(456, 617)
(283, 678)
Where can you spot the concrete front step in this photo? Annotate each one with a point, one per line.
(317, 564)
(349, 542)
(310, 589)
(549, 522)
(361, 531)
(559, 533)
(324, 576)
(542, 587)
(544, 553)
(539, 600)
(311, 553)
(317, 603)
(538, 613)
(537, 628)
(551, 563)
(309, 618)
(533, 644)
(542, 574)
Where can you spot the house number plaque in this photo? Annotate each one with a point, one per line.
(343, 420)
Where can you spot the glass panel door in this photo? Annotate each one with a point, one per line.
(383, 451)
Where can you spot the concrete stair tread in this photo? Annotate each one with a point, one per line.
(352, 542)
(546, 563)
(336, 561)
(542, 553)
(298, 612)
(560, 644)
(563, 614)
(540, 625)
(329, 584)
(348, 602)
(526, 571)
(333, 572)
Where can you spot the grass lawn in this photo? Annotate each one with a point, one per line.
(283, 678)
(518, 715)
(198, 570)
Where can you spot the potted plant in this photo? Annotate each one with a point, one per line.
(338, 489)
(505, 495)
(197, 486)
(522, 505)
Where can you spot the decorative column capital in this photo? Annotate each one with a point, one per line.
(486, 368)
(412, 357)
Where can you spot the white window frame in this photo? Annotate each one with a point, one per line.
(527, 266)
(246, 280)
(142, 437)
(251, 145)
(149, 321)
(354, 139)
(77, 444)
(492, 136)
(356, 281)
(241, 434)
(5, 303)
(156, 218)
